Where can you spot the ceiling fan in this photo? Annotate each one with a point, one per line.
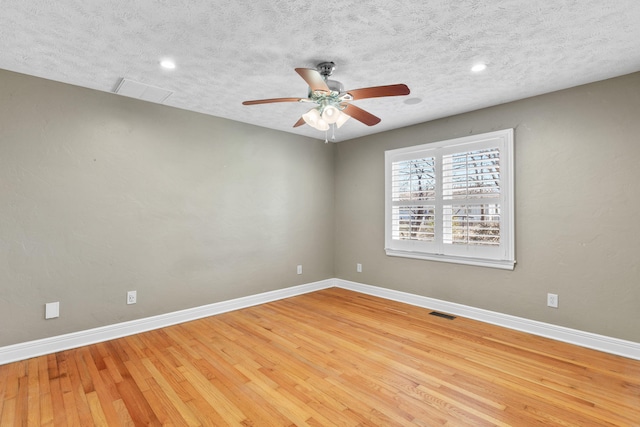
(333, 103)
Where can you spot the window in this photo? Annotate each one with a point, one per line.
(452, 201)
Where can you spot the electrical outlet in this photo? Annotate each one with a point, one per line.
(359, 268)
(552, 300)
(132, 297)
(52, 310)
(299, 270)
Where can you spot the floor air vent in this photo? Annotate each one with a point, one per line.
(446, 316)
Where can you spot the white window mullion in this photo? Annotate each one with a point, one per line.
(439, 230)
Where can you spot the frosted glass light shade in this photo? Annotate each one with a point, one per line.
(322, 125)
(313, 119)
(330, 114)
(342, 119)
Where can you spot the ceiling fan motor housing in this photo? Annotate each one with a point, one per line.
(326, 69)
(335, 86)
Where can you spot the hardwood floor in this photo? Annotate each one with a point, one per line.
(329, 358)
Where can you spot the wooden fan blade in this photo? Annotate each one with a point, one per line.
(268, 101)
(300, 122)
(313, 79)
(379, 91)
(361, 115)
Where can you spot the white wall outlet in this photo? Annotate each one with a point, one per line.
(552, 300)
(52, 310)
(132, 297)
(299, 269)
(359, 268)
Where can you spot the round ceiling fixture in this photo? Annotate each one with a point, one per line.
(479, 67)
(413, 101)
(168, 64)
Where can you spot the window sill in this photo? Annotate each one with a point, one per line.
(501, 264)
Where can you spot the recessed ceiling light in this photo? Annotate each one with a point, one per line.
(479, 67)
(168, 64)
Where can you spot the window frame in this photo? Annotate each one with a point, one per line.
(503, 255)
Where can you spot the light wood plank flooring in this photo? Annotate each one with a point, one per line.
(329, 358)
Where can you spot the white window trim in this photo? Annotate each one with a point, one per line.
(507, 247)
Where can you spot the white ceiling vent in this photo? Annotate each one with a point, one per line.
(142, 91)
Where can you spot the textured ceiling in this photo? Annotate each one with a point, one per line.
(230, 51)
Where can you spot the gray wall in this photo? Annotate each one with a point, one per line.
(577, 210)
(101, 194)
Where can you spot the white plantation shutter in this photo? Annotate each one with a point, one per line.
(413, 194)
(452, 200)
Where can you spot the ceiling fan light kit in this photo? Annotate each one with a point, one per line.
(333, 104)
(328, 112)
(314, 119)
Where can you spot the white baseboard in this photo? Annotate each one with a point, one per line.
(35, 348)
(603, 343)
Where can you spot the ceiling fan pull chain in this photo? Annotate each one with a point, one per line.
(333, 132)
(326, 140)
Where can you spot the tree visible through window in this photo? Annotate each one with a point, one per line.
(472, 175)
(452, 200)
(413, 187)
